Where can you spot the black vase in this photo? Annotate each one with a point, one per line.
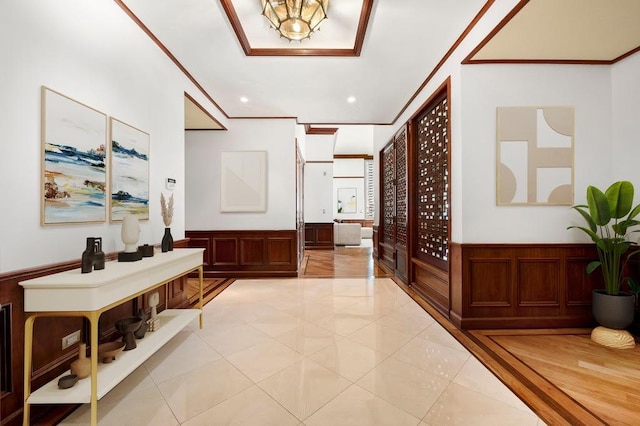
(98, 254)
(87, 256)
(167, 241)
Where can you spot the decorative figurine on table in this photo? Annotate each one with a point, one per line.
(93, 256)
(130, 234)
(154, 321)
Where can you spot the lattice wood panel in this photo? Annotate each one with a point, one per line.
(433, 183)
(388, 193)
(401, 187)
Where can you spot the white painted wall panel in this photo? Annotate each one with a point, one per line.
(94, 53)
(202, 159)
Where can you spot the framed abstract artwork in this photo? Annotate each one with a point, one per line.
(347, 200)
(129, 171)
(243, 181)
(74, 161)
(534, 147)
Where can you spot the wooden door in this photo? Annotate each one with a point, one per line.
(431, 192)
(300, 204)
(387, 231)
(393, 240)
(401, 267)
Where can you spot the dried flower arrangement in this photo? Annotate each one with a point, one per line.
(166, 209)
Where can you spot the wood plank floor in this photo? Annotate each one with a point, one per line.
(341, 262)
(603, 381)
(560, 374)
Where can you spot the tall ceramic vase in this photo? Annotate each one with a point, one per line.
(167, 241)
(81, 367)
(130, 233)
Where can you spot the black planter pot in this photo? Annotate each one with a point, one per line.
(613, 311)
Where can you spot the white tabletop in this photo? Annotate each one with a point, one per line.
(73, 291)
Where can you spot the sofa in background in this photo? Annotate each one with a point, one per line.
(347, 234)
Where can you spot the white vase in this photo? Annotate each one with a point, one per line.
(130, 233)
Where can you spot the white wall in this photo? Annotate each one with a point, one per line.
(626, 121)
(355, 139)
(94, 53)
(202, 160)
(319, 147)
(318, 189)
(485, 87)
(318, 178)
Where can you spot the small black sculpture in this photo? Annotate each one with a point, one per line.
(93, 256)
(139, 333)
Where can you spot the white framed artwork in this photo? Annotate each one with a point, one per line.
(243, 181)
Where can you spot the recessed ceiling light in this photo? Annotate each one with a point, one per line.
(351, 99)
(244, 99)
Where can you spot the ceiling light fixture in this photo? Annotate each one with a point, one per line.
(244, 99)
(295, 19)
(351, 99)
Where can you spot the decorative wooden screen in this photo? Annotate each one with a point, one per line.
(432, 180)
(401, 187)
(388, 194)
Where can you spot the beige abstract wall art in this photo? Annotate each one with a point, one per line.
(535, 148)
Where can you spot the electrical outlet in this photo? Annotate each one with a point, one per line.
(70, 339)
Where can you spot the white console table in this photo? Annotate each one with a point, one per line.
(72, 293)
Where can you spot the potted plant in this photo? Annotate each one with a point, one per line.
(610, 217)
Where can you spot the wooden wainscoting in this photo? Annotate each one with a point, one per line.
(522, 285)
(318, 236)
(432, 284)
(258, 253)
(49, 359)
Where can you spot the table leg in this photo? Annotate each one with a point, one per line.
(93, 319)
(200, 304)
(28, 357)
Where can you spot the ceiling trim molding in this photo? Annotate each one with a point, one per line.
(445, 87)
(446, 56)
(517, 8)
(365, 12)
(626, 55)
(468, 60)
(205, 112)
(166, 51)
(352, 156)
(319, 130)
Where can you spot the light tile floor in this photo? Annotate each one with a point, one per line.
(314, 352)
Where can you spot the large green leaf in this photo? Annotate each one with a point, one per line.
(592, 266)
(634, 212)
(585, 215)
(594, 236)
(621, 227)
(620, 198)
(598, 206)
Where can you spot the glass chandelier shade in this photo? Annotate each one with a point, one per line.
(295, 19)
